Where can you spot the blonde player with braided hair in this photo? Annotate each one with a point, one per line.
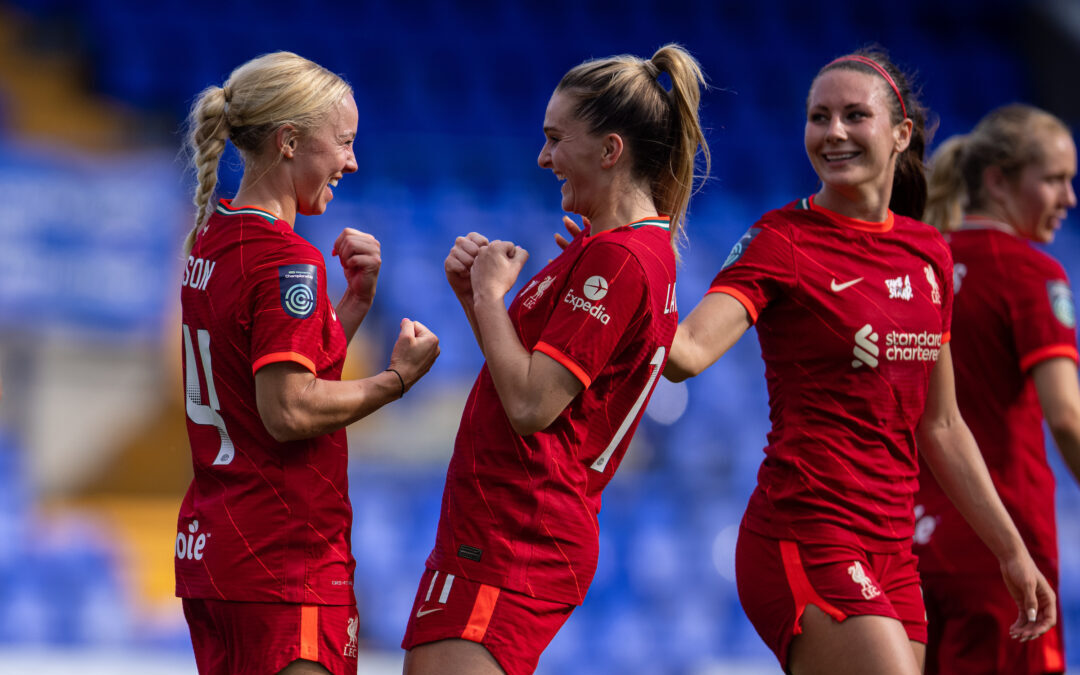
(263, 554)
(994, 191)
(569, 369)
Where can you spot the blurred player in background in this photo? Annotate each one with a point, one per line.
(263, 559)
(994, 191)
(852, 300)
(569, 368)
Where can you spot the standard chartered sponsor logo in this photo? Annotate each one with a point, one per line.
(866, 349)
(898, 346)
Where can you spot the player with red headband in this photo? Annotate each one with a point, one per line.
(993, 191)
(852, 300)
(568, 369)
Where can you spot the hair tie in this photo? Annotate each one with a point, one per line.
(228, 93)
(880, 70)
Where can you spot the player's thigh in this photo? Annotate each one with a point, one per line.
(857, 645)
(303, 667)
(449, 657)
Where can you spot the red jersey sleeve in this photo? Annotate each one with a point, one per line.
(606, 294)
(1043, 314)
(760, 267)
(289, 304)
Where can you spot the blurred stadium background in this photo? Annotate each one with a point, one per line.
(94, 203)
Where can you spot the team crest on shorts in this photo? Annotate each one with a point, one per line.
(1061, 302)
(858, 575)
(298, 285)
(351, 647)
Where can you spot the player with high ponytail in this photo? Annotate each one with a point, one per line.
(569, 368)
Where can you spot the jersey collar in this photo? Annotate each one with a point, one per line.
(845, 221)
(225, 208)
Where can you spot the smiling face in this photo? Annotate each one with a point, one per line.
(323, 156)
(572, 153)
(1037, 199)
(849, 136)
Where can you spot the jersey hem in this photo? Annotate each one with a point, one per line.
(740, 296)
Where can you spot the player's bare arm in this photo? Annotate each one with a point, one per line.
(458, 267)
(711, 329)
(294, 404)
(360, 256)
(952, 454)
(1059, 397)
(533, 387)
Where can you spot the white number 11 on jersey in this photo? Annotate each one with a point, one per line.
(654, 366)
(197, 411)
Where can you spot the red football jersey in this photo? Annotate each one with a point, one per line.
(262, 521)
(1013, 310)
(521, 512)
(851, 317)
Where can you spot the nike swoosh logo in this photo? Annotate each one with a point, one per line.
(847, 284)
(424, 612)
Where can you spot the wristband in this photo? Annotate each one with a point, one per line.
(401, 380)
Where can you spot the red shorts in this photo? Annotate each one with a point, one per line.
(514, 627)
(969, 617)
(261, 638)
(777, 579)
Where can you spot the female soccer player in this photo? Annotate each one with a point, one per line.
(852, 300)
(995, 190)
(263, 559)
(569, 369)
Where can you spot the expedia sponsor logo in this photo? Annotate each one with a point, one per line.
(190, 544)
(579, 303)
(898, 346)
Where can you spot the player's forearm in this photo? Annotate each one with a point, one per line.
(510, 366)
(1067, 439)
(351, 313)
(952, 454)
(319, 407)
(470, 314)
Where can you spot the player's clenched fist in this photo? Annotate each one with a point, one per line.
(496, 268)
(459, 261)
(361, 257)
(414, 352)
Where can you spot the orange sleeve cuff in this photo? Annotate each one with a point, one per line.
(564, 361)
(278, 357)
(1049, 352)
(738, 295)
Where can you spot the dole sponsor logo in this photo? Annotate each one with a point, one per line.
(899, 346)
(594, 290)
(188, 545)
